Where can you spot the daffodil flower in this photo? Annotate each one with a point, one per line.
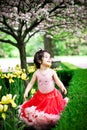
(1, 108)
(3, 76)
(13, 103)
(33, 91)
(0, 87)
(11, 80)
(23, 76)
(5, 101)
(17, 67)
(8, 100)
(5, 108)
(3, 116)
(31, 69)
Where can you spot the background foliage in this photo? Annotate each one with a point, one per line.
(66, 44)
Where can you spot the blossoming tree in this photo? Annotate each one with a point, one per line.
(21, 19)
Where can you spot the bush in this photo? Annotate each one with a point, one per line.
(74, 117)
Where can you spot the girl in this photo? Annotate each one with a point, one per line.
(45, 107)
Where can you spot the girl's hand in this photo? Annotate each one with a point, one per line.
(25, 96)
(64, 90)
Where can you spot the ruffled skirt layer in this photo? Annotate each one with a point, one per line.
(42, 110)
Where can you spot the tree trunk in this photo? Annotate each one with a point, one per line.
(48, 45)
(23, 60)
(22, 51)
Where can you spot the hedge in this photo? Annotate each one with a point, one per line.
(74, 117)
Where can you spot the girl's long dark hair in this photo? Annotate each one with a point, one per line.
(38, 57)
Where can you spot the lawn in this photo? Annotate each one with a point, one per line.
(74, 116)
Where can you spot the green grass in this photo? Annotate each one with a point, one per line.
(74, 116)
(68, 65)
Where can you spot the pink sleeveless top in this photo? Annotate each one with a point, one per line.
(45, 82)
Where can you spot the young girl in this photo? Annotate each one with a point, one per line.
(45, 107)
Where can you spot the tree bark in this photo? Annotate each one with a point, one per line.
(48, 45)
(23, 60)
(22, 51)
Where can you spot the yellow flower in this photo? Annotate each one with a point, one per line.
(14, 97)
(1, 107)
(4, 116)
(31, 69)
(5, 108)
(0, 87)
(33, 91)
(23, 76)
(18, 73)
(17, 67)
(9, 96)
(3, 76)
(9, 75)
(3, 100)
(11, 80)
(13, 103)
(6, 99)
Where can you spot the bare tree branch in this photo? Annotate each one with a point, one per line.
(8, 41)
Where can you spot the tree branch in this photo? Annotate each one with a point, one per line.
(34, 33)
(9, 27)
(34, 24)
(5, 31)
(8, 41)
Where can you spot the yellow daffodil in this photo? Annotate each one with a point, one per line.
(3, 100)
(18, 73)
(17, 67)
(11, 80)
(13, 103)
(14, 97)
(23, 76)
(33, 91)
(24, 70)
(31, 69)
(9, 75)
(1, 107)
(5, 108)
(3, 76)
(8, 100)
(3, 116)
(9, 96)
(0, 87)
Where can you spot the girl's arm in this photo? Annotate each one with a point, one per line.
(29, 86)
(59, 83)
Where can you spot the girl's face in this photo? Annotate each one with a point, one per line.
(46, 60)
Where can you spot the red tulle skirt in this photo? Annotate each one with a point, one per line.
(42, 109)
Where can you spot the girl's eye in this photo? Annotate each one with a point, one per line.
(46, 57)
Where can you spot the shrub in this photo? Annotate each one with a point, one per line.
(74, 117)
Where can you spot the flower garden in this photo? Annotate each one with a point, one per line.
(11, 96)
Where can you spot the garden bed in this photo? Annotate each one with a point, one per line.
(74, 116)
